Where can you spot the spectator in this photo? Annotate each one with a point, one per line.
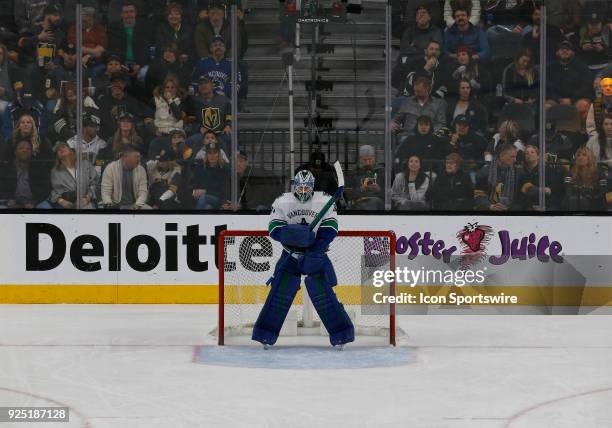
(429, 67)
(509, 134)
(64, 114)
(564, 14)
(26, 129)
(601, 143)
(218, 68)
(9, 74)
(64, 181)
(217, 26)
(595, 42)
(91, 143)
(125, 136)
(415, 39)
(95, 40)
(421, 104)
(473, 71)
(466, 104)
(451, 5)
(531, 38)
(175, 142)
(169, 106)
(166, 186)
(365, 188)
(463, 33)
(63, 71)
(124, 182)
(453, 189)
(175, 30)
(257, 186)
(529, 182)
(70, 9)
(28, 12)
(601, 107)
(586, 187)
(506, 21)
(101, 81)
(466, 142)
(496, 183)
(132, 40)
(566, 135)
(167, 64)
(201, 143)
(118, 101)
(411, 187)
(423, 144)
(569, 79)
(39, 41)
(404, 13)
(24, 104)
(24, 184)
(210, 181)
(520, 81)
(210, 112)
(324, 173)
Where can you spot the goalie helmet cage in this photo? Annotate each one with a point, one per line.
(246, 261)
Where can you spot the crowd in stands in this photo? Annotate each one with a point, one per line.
(465, 111)
(157, 120)
(156, 99)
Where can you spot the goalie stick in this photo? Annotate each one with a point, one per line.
(332, 200)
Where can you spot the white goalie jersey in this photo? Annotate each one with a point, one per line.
(286, 209)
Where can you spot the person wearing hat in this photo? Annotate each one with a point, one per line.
(569, 79)
(91, 143)
(403, 14)
(211, 178)
(365, 187)
(467, 143)
(217, 67)
(64, 183)
(117, 100)
(208, 111)
(216, 25)
(325, 179)
(165, 180)
(63, 71)
(124, 136)
(594, 42)
(95, 40)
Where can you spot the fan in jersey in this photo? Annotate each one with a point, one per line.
(304, 254)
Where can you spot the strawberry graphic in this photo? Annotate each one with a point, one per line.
(472, 236)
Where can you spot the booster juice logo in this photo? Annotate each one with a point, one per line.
(474, 240)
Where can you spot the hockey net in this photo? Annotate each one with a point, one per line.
(247, 260)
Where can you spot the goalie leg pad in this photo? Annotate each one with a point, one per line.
(285, 286)
(330, 310)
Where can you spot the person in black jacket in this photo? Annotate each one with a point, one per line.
(430, 148)
(137, 55)
(529, 182)
(453, 189)
(466, 142)
(466, 104)
(24, 183)
(211, 181)
(569, 79)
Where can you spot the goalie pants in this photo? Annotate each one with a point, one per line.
(285, 285)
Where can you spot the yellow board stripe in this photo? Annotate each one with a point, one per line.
(250, 294)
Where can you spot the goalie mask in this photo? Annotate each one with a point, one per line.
(303, 185)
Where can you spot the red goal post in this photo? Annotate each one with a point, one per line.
(242, 288)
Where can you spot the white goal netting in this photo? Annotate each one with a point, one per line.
(246, 263)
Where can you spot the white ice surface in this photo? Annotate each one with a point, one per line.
(132, 366)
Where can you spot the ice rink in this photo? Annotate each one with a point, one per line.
(135, 366)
